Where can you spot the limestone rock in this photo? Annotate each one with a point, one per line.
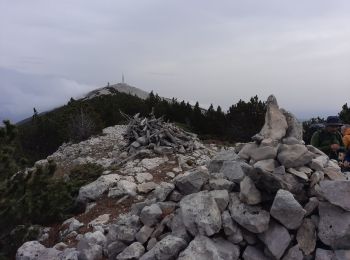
(218, 160)
(334, 226)
(60, 246)
(144, 234)
(73, 225)
(124, 187)
(322, 254)
(252, 218)
(134, 251)
(150, 215)
(232, 170)
(100, 220)
(311, 206)
(336, 192)
(294, 253)
(146, 187)
(247, 150)
(269, 142)
(315, 178)
(253, 253)
(263, 153)
(96, 237)
(69, 254)
(334, 173)
(292, 156)
(175, 196)
(143, 177)
(306, 236)
(249, 193)
(287, 210)
(115, 248)
(305, 170)
(292, 140)
(166, 249)
(125, 229)
(151, 243)
(30, 250)
(221, 184)
(177, 226)
(221, 198)
(276, 125)
(272, 182)
(319, 163)
(163, 190)
(200, 214)
(249, 237)
(231, 229)
(342, 254)
(203, 247)
(266, 165)
(89, 251)
(295, 128)
(167, 207)
(151, 163)
(276, 239)
(298, 174)
(192, 181)
(95, 189)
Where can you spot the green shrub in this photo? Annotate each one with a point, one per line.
(18, 236)
(37, 197)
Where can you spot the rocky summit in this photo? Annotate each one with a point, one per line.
(273, 198)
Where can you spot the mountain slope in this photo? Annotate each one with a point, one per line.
(114, 89)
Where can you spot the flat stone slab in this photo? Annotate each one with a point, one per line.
(297, 173)
(287, 210)
(334, 226)
(203, 247)
(276, 239)
(232, 170)
(166, 249)
(191, 181)
(200, 214)
(253, 218)
(295, 155)
(336, 192)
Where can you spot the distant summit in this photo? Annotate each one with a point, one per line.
(114, 89)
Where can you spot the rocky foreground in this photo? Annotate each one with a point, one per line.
(274, 198)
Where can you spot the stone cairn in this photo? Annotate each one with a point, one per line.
(155, 134)
(274, 198)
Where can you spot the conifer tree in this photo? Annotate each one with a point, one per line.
(8, 135)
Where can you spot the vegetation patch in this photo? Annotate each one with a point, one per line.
(37, 197)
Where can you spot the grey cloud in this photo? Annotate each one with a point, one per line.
(213, 52)
(21, 92)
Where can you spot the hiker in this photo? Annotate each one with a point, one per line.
(346, 136)
(346, 140)
(329, 139)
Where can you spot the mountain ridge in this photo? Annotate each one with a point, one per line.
(119, 87)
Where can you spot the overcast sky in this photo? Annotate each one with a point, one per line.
(211, 51)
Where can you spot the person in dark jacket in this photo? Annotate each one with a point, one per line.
(329, 139)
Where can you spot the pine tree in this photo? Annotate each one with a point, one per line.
(8, 164)
(344, 114)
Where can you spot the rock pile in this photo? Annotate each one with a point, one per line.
(155, 134)
(103, 150)
(274, 198)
